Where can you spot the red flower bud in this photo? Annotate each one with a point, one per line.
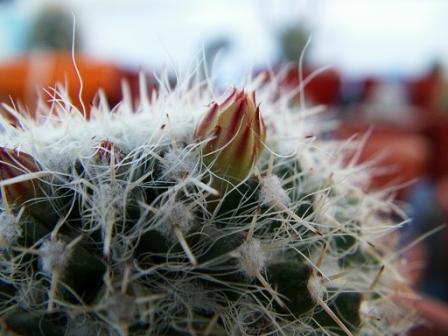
(107, 151)
(12, 165)
(236, 133)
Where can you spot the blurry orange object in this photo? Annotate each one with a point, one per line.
(22, 78)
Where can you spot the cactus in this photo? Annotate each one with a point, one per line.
(174, 218)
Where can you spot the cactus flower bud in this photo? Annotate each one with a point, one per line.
(107, 151)
(236, 133)
(14, 164)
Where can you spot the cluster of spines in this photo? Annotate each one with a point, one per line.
(147, 241)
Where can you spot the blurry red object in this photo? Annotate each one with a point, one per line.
(406, 154)
(319, 88)
(323, 88)
(442, 193)
(423, 91)
(439, 137)
(434, 312)
(368, 86)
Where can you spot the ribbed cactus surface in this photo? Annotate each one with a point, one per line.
(181, 216)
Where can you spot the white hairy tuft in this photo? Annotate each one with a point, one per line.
(272, 192)
(10, 230)
(120, 307)
(54, 255)
(175, 216)
(252, 258)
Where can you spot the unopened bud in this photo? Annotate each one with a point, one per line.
(14, 164)
(107, 153)
(236, 132)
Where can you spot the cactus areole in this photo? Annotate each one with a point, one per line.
(183, 217)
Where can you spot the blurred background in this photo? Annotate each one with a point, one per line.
(387, 74)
